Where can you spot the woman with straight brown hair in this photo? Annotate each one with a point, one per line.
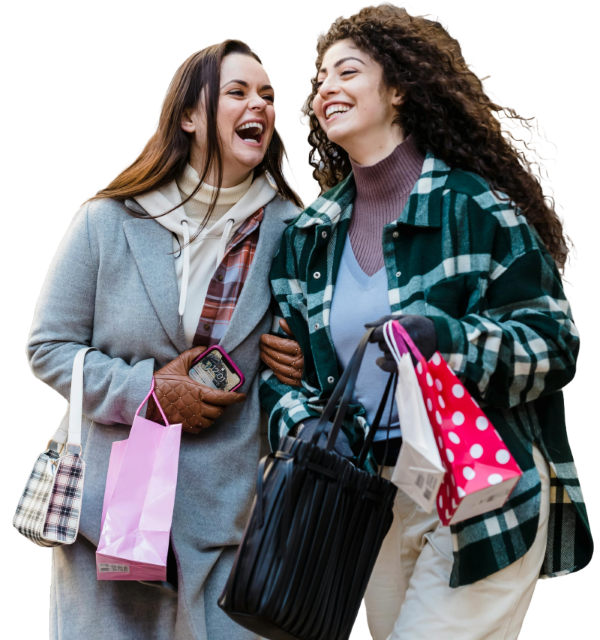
(171, 258)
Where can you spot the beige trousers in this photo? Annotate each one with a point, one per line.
(408, 597)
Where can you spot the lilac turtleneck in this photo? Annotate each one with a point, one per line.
(382, 191)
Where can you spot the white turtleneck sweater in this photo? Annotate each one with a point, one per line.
(196, 262)
(197, 208)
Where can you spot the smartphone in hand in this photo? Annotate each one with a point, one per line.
(214, 368)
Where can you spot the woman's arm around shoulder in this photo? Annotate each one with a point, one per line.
(286, 405)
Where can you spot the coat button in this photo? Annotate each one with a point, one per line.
(206, 327)
(398, 274)
(316, 275)
(323, 234)
(395, 234)
(220, 277)
(331, 379)
(317, 325)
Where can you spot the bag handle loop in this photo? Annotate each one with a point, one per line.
(156, 402)
(373, 430)
(397, 328)
(69, 430)
(345, 386)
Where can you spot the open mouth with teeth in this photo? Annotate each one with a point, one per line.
(337, 109)
(251, 132)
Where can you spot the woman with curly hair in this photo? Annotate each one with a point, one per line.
(431, 215)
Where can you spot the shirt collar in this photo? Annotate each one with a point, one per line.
(422, 210)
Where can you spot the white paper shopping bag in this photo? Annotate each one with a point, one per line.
(419, 470)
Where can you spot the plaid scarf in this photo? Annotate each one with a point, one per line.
(227, 283)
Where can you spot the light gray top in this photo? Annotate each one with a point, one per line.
(358, 299)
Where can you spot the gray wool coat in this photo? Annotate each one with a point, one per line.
(113, 285)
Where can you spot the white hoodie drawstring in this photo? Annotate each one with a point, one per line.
(185, 276)
(223, 244)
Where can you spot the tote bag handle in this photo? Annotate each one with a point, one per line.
(69, 430)
(344, 389)
(345, 386)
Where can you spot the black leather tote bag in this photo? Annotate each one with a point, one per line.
(314, 533)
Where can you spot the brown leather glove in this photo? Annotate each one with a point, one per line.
(184, 400)
(283, 356)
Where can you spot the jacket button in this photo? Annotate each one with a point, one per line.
(316, 275)
(324, 234)
(220, 277)
(331, 379)
(398, 274)
(317, 325)
(395, 234)
(206, 327)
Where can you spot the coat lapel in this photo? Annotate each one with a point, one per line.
(152, 246)
(256, 294)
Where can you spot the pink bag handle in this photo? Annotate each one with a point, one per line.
(398, 328)
(151, 393)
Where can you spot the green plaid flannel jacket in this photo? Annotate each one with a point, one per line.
(460, 255)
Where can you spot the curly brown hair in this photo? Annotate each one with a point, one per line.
(444, 108)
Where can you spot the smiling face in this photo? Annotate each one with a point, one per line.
(353, 105)
(245, 119)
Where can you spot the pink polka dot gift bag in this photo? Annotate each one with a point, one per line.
(480, 472)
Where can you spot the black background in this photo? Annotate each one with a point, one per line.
(84, 87)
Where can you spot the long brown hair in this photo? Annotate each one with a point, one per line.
(445, 109)
(167, 152)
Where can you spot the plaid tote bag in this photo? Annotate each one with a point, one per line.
(50, 506)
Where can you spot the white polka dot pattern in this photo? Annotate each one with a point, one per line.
(482, 423)
(458, 417)
(502, 456)
(468, 473)
(473, 454)
(458, 391)
(476, 451)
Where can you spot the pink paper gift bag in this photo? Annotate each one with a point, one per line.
(138, 502)
(480, 471)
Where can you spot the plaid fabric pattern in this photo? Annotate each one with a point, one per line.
(50, 506)
(64, 508)
(462, 256)
(31, 511)
(227, 283)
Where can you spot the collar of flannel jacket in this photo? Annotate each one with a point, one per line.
(422, 210)
(459, 254)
